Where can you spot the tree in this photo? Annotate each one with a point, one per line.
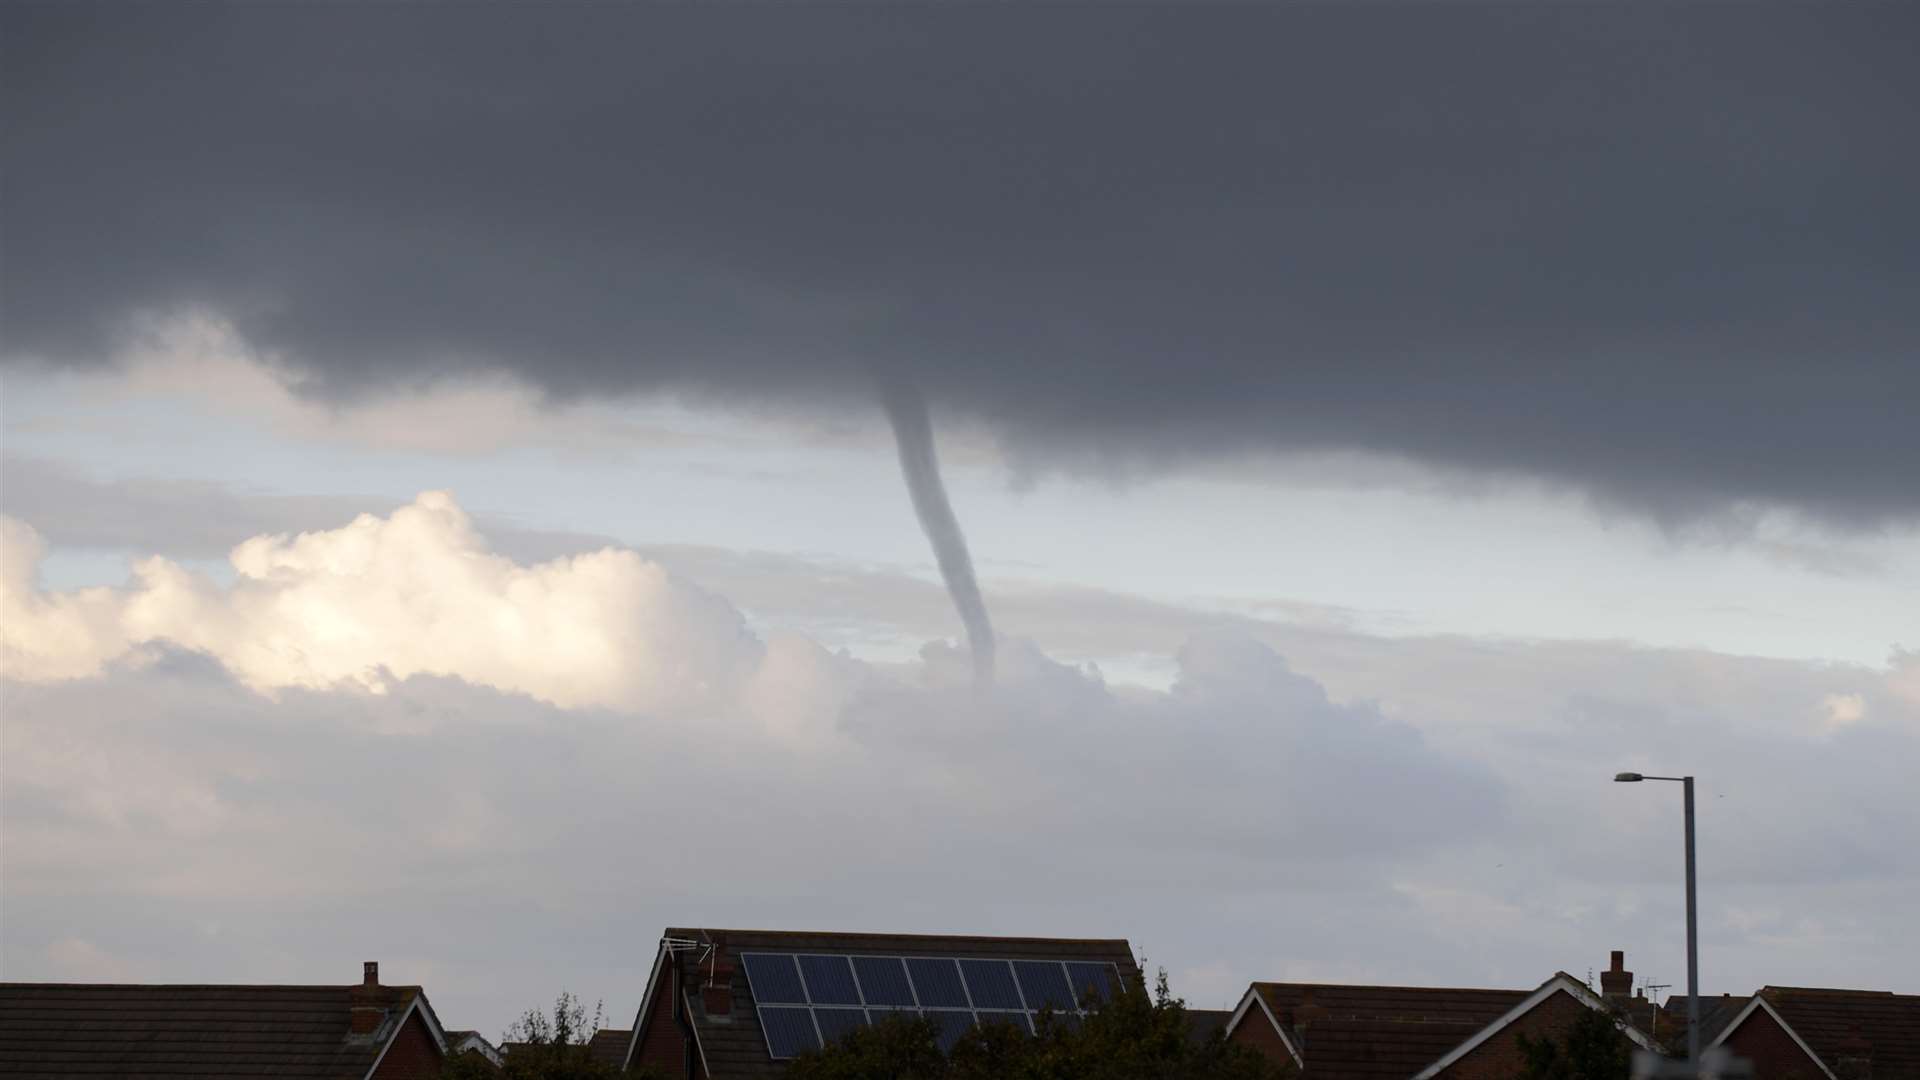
(1136, 1036)
(542, 1047)
(1595, 1048)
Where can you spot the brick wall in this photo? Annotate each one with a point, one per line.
(1774, 1054)
(1499, 1057)
(660, 1042)
(412, 1055)
(1257, 1031)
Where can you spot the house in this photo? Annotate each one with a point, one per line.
(464, 1042)
(1797, 1033)
(360, 1032)
(1339, 1032)
(1716, 1013)
(722, 1004)
(609, 1046)
(1204, 1024)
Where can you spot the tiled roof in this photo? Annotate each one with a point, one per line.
(1841, 1023)
(1379, 1031)
(735, 1047)
(1202, 1023)
(609, 1045)
(1715, 1014)
(468, 1041)
(73, 1029)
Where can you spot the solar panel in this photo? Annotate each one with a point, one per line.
(836, 1023)
(1044, 982)
(883, 980)
(1018, 1020)
(937, 980)
(829, 980)
(789, 1030)
(990, 982)
(808, 1000)
(1090, 976)
(952, 1023)
(774, 979)
(1068, 1021)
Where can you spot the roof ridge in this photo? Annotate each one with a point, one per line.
(899, 935)
(1406, 986)
(1836, 990)
(330, 987)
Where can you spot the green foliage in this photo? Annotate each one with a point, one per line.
(1136, 1036)
(1595, 1048)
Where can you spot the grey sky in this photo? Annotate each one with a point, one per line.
(1337, 337)
(1664, 253)
(256, 841)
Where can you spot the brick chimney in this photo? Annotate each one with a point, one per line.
(1616, 983)
(369, 1008)
(716, 988)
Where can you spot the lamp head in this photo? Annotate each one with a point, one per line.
(1627, 778)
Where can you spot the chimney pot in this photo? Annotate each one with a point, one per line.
(370, 973)
(1619, 960)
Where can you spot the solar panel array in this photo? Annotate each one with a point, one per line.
(807, 1001)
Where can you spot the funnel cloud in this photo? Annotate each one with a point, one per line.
(913, 433)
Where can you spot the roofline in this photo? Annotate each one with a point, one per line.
(316, 987)
(485, 1049)
(646, 1005)
(1560, 981)
(432, 1018)
(711, 931)
(433, 1028)
(1833, 990)
(1395, 986)
(1760, 1002)
(1247, 1001)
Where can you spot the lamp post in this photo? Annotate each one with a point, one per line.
(1693, 947)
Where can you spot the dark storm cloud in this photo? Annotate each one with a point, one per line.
(1667, 255)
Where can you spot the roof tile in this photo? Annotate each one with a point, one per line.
(1830, 1020)
(74, 1029)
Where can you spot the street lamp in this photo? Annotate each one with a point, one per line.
(1693, 947)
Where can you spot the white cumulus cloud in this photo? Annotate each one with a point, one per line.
(415, 593)
(343, 747)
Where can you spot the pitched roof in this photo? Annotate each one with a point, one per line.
(103, 1029)
(1378, 1031)
(1716, 1014)
(734, 1046)
(609, 1045)
(464, 1040)
(1839, 1024)
(1560, 983)
(1202, 1023)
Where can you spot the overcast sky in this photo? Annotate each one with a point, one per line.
(449, 518)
